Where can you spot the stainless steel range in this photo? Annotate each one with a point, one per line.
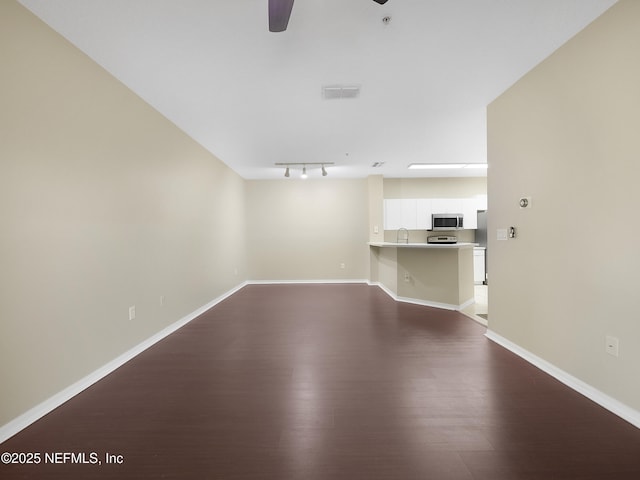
(442, 239)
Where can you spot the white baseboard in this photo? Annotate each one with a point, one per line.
(614, 406)
(466, 304)
(476, 318)
(23, 421)
(292, 282)
(424, 303)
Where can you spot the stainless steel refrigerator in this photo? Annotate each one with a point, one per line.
(481, 239)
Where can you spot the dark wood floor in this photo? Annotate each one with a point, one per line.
(330, 382)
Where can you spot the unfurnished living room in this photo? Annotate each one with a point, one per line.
(319, 239)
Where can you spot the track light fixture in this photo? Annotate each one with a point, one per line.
(304, 168)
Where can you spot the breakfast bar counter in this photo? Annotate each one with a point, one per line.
(438, 275)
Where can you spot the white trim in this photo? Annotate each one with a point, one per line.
(30, 416)
(291, 282)
(476, 318)
(423, 303)
(614, 406)
(384, 289)
(466, 304)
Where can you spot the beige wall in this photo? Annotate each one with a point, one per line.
(434, 187)
(305, 229)
(567, 134)
(385, 266)
(376, 208)
(104, 204)
(376, 224)
(442, 276)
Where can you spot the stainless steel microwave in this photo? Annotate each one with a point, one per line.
(447, 221)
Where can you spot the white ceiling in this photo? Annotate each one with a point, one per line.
(253, 98)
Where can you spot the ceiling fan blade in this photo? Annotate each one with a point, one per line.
(279, 13)
(381, 2)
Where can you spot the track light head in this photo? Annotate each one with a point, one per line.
(287, 167)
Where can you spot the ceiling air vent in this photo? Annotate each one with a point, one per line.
(333, 92)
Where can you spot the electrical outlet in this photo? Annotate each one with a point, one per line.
(342, 266)
(132, 312)
(612, 346)
(407, 277)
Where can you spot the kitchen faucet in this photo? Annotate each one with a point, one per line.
(402, 236)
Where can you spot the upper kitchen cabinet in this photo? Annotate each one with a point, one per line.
(424, 210)
(415, 213)
(400, 213)
(470, 212)
(446, 205)
(481, 202)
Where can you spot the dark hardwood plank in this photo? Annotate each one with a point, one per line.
(330, 382)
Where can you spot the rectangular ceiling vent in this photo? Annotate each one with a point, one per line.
(334, 92)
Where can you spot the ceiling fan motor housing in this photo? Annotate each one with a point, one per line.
(280, 11)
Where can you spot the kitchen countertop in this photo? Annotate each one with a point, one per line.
(423, 245)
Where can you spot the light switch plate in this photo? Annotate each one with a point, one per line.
(503, 234)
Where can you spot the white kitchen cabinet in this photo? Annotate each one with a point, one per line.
(392, 214)
(408, 213)
(470, 212)
(415, 213)
(479, 273)
(423, 213)
(400, 213)
(481, 202)
(446, 205)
